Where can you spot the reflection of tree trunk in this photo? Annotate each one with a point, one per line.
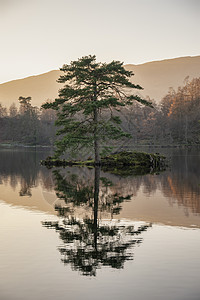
(96, 199)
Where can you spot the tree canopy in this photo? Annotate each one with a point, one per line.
(85, 104)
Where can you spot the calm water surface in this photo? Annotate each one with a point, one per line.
(76, 233)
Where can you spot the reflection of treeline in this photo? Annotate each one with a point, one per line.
(23, 168)
(27, 125)
(180, 184)
(174, 120)
(183, 190)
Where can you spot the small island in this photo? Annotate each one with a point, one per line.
(127, 162)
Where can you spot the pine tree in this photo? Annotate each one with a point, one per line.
(86, 102)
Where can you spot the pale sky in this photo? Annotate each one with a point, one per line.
(41, 35)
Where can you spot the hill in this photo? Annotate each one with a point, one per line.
(158, 76)
(39, 87)
(155, 77)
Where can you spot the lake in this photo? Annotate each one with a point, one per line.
(79, 233)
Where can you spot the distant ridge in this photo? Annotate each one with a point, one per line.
(155, 77)
(39, 87)
(158, 76)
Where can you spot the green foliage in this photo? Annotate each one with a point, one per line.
(86, 104)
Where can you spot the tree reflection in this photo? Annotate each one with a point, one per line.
(21, 170)
(89, 242)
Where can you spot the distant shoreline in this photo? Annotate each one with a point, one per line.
(10, 145)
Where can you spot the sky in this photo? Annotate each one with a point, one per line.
(37, 36)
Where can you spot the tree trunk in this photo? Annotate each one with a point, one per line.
(96, 137)
(96, 140)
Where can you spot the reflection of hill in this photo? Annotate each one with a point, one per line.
(166, 198)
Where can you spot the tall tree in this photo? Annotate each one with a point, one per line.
(3, 111)
(29, 121)
(13, 110)
(25, 105)
(86, 102)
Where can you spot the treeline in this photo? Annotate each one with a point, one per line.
(175, 120)
(27, 125)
